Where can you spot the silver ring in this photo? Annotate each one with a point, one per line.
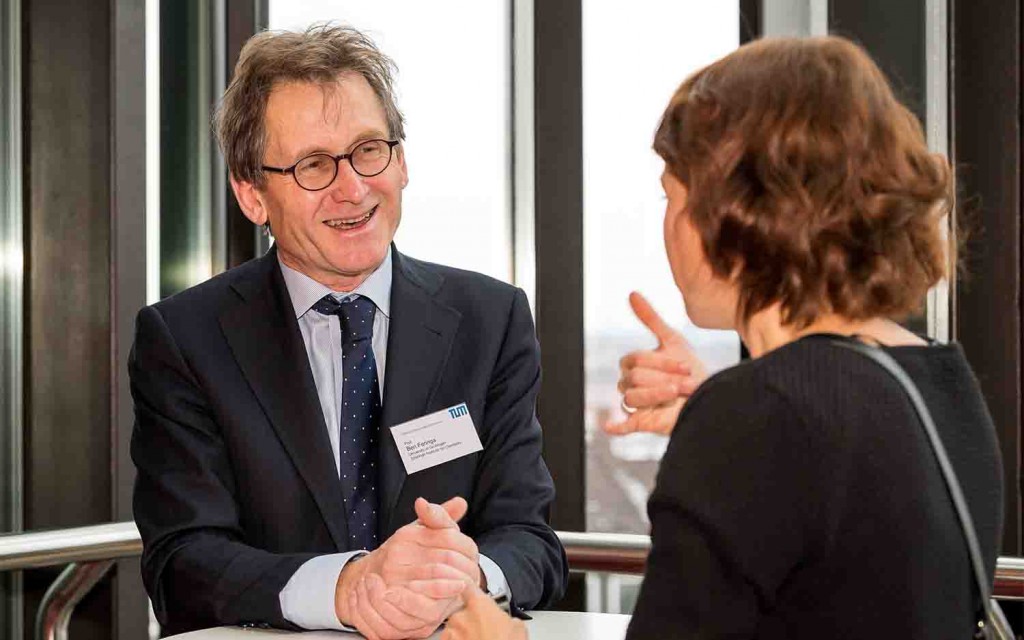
(628, 410)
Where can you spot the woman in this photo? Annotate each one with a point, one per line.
(798, 496)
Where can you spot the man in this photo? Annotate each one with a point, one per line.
(270, 489)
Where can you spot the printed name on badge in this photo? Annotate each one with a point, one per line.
(436, 438)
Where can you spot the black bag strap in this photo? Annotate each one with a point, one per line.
(952, 484)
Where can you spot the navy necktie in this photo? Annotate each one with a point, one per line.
(360, 417)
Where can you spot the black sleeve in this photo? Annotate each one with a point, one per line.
(513, 490)
(731, 514)
(197, 570)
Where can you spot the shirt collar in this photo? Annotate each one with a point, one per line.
(305, 291)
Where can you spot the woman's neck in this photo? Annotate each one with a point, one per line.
(764, 331)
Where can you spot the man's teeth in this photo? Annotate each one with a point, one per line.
(341, 224)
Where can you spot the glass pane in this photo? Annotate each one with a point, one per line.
(453, 87)
(632, 62)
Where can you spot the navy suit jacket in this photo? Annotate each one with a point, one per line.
(237, 485)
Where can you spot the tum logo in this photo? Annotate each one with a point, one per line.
(460, 410)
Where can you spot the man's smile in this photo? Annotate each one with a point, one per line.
(351, 223)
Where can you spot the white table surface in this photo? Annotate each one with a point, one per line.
(546, 625)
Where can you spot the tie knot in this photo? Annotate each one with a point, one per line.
(355, 313)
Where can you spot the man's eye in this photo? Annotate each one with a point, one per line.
(313, 164)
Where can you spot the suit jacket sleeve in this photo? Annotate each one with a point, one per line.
(194, 561)
(513, 490)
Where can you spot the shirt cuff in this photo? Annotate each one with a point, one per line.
(308, 599)
(497, 586)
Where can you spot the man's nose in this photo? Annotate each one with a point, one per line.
(348, 186)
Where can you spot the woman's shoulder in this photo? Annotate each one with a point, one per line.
(796, 364)
(750, 392)
(813, 360)
(814, 375)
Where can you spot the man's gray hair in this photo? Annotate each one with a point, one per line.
(318, 55)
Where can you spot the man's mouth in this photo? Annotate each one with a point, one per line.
(351, 223)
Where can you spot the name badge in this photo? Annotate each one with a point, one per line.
(436, 438)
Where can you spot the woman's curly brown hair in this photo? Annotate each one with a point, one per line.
(809, 183)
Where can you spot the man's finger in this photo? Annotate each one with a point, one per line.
(436, 571)
(407, 621)
(647, 315)
(453, 559)
(433, 516)
(474, 597)
(382, 614)
(438, 589)
(418, 604)
(451, 539)
(372, 619)
(456, 508)
(453, 630)
(404, 564)
(356, 619)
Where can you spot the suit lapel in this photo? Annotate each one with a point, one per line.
(420, 337)
(265, 339)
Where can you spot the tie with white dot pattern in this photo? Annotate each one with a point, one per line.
(360, 417)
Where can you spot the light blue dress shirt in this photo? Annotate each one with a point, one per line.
(308, 598)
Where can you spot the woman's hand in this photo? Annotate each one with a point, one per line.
(655, 383)
(481, 619)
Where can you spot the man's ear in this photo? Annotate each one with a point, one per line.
(250, 201)
(402, 168)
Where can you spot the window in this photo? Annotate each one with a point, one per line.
(632, 63)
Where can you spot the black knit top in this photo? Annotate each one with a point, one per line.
(799, 498)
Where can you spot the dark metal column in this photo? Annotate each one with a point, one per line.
(751, 26)
(894, 34)
(986, 93)
(11, 301)
(128, 259)
(244, 18)
(559, 242)
(68, 112)
(558, 101)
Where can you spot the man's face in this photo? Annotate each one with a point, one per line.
(340, 234)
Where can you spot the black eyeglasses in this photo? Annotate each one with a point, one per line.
(317, 171)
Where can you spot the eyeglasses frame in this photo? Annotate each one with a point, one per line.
(337, 161)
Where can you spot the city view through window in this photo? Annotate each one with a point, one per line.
(634, 57)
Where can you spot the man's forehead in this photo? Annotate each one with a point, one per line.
(302, 98)
(299, 111)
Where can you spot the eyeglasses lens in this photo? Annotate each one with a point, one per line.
(317, 171)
